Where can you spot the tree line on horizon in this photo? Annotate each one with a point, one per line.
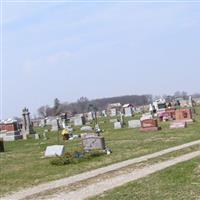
(83, 104)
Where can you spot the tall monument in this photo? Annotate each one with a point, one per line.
(26, 126)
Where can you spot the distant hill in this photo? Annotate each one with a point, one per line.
(84, 104)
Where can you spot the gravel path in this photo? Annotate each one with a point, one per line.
(100, 187)
(86, 175)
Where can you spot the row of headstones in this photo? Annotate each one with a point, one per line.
(183, 117)
(89, 142)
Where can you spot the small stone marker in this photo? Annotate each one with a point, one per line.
(117, 125)
(36, 136)
(175, 125)
(134, 124)
(1, 145)
(54, 150)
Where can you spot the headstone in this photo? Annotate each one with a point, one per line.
(55, 125)
(89, 116)
(1, 145)
(12, 136)
(36, 136)
(54, 150)
(113, 112)
(175, 125)
(91, 142)
(27, 127)
(184, 115)
(134, 124)
(78, 121)
(128, 111)
(117, 125)
(86, 128)
(171, 112)
(149, 125)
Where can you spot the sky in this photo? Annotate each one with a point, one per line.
(96, 49)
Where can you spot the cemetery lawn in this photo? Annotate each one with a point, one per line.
(23, 164)
(180, 182)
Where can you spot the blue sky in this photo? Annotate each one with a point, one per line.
(69, 50)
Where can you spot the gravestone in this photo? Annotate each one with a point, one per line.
(128, 112)
(36, 136)
(117, 125)
(78, 121)
(134, 124)
(55, 125)
(54, 150)
(92, 141)
(184, 115)
(44, 135)
(175, 125)
(1, 145)
(149, 125)
(113, 112)
(27, 127)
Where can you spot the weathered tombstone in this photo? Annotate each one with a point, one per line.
(128, 112)
(175, 125)
(54, 150)
(113, 112)
(27, 127)
(117, 125)
(92, 141)
(149, 125)
(78, 121)
(55, 125)
(134, 124)
(36, 136)
(1, 145)
(44, 135)
(184, 115)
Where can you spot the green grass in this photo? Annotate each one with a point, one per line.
(23, 164)
(180, 182)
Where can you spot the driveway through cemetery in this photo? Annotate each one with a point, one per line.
(97, 181)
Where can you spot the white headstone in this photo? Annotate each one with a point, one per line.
(54, 125)
(78, 121)
(54, 150)
(36, 136)
(113, 112)
(117, 125)
(128, 111)
(134, 124)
